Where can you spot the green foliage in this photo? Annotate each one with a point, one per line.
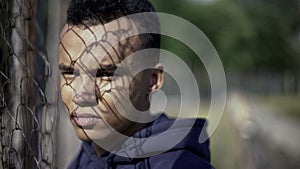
(274, 30)
(248, 34)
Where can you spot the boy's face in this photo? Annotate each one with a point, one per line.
(87, 61)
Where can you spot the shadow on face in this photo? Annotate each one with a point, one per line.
(88, 59)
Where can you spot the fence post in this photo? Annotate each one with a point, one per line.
(50, 119)
(21, 151)
(27, 119)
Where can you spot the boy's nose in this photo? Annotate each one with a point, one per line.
(85, 95)
(85, 99)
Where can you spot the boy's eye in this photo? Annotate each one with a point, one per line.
(73, 73)
(104, 73)
(69, 76)
(106, 78)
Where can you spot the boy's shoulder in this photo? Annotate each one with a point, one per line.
(178, 159)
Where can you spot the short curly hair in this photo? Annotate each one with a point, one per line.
(94, 12)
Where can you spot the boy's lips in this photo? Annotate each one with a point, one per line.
(85, 119)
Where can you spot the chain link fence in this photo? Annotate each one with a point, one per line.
(27, 106)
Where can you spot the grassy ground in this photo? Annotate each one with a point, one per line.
(230, 151)
(288, 104)
(225, 146)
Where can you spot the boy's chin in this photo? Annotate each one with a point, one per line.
(82, 135)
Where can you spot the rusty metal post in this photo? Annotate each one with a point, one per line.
(21, 154)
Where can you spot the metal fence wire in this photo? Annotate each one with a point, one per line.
(27, 116)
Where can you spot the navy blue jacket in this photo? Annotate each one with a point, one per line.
(188, 153)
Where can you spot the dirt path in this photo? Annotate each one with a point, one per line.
(272, 138)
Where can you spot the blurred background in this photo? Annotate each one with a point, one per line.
(258, 42)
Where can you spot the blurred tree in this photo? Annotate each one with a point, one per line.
(230, 31)
(249, 35)
(275, 28)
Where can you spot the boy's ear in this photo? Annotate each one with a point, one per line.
(157, 77)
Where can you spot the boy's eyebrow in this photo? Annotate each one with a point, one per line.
(109, 67)
(65, 68)
(103, 68)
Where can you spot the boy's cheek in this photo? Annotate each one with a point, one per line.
(66, 95)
